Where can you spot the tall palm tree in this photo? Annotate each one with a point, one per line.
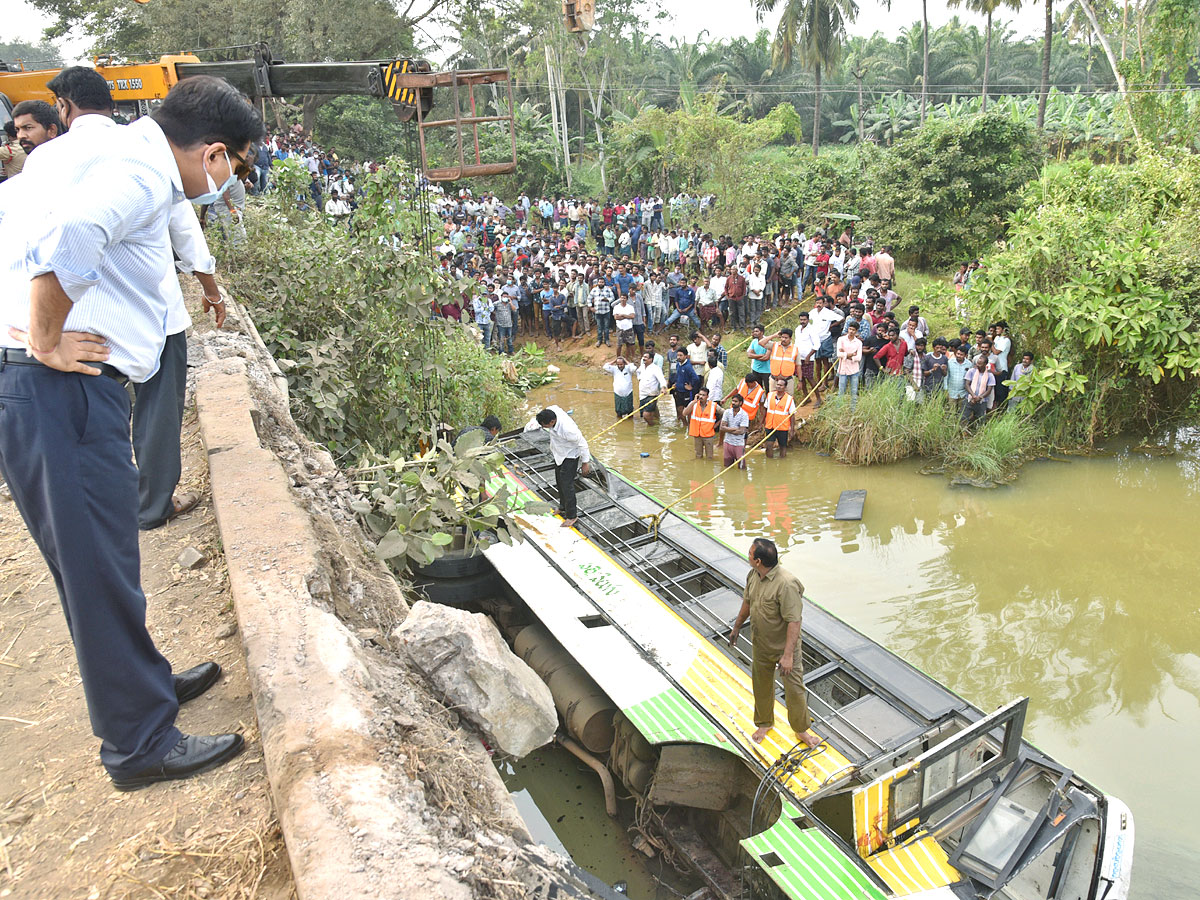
(813, 32)
(925, 55)
(986, 8)
(1044, 91)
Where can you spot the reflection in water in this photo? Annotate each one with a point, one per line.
(1073, 586)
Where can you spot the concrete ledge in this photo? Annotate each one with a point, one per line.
(352, 828)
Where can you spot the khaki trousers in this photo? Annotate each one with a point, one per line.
(795, 696)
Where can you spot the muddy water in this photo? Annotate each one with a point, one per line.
(1075, 586)
(562, 802)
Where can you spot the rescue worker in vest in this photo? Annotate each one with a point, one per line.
(703, 415)
(781, 419)
(773, 602)
(785, 359)
(753, 395)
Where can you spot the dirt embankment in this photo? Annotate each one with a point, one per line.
(380, 792)
(65, 833)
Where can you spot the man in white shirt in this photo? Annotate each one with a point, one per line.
(756, 286)
(714, 380)
(336, 208)
(697, 352)
(571, 457)
(85, 104)
(623, 314)
(735, 423)
(81, 291)
(622, 376)
(811, 248)
(651, 384)
(822, 317)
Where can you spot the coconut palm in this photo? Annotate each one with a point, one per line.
(986, 8)
(683, 69)
(748, 69)
(813, 32)
(1044, 89)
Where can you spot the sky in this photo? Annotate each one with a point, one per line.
(689, 17)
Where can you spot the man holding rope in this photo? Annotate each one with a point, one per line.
(773, 602)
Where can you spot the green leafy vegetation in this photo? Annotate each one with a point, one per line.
(439, 499)
(346, 313)
(1098, 279)
(945, 192)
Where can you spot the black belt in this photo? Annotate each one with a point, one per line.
(12, 356)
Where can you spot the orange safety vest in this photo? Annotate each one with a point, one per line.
(779, 411)
(751, 401)
(703, 422)
(784, 360)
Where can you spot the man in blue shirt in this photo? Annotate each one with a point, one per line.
(623, 280)
(81, 274)
(547, 298)
(687, 380)
(685, 308)
(558, 315)
(482, 308)
(262, 163)
(760, 356)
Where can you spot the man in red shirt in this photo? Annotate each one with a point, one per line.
(823, 261)
(891, 355)
(735, 294)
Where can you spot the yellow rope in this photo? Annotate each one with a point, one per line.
(636, 411)
(658, 516)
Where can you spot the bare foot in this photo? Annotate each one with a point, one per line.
(569, 523)
(810, 738)
(760, 733)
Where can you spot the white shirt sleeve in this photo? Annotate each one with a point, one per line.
(572, 438)
(187, 240)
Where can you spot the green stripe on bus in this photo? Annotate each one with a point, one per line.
(813, 867)
(669, 717)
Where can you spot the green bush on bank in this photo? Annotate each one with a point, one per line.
(1099, 278)
(346, 314)
(885, 426)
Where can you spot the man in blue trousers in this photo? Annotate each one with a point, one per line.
(84, 103)
(84, 251)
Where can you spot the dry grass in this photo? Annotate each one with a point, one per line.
(230, 864)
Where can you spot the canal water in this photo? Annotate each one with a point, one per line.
(1074, 586)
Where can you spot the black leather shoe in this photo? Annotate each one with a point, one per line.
(191, 756)
(195, 681)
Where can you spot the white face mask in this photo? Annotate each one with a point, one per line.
(214, 192)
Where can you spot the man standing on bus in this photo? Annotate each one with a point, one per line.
(773, 603)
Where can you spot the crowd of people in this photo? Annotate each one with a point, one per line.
(612, 271)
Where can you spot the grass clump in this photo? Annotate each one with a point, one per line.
(885, 426)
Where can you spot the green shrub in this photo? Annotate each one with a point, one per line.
(945, 191)
(346, 314)
(1098, 280)
(885, 426)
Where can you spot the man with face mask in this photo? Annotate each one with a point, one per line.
(83, 310)
(84, 104)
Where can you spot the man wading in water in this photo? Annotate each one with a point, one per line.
(772, 602)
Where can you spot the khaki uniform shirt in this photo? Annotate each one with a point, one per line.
(775, 600)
